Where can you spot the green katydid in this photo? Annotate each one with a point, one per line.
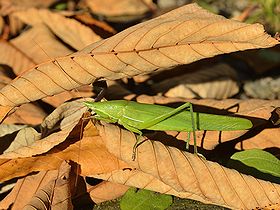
(138, 116)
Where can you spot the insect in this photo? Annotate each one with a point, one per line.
(136, 117)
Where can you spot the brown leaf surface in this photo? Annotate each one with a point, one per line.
(106, 191)
(59, 99)
(181, 36)
(1, 25)
(218, 82)
(118, 8)
(22, 142)
(28, 114)
(87, 19)
(91, 154)
(4, 112)
(186, 173)
(39, 44)
(57, 193)
(25, 188)
(157, 167)
(40, 189)
(4, 79)
(15, 25)
(13, 57)
(69, 30)
(9, 6)
(28, 142)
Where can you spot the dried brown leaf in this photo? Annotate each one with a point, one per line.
(4, 112)
(118, 8)
(158, 167)
(266, 139)
(1, 24)
(22, 142)
(9, 6)
(90, 153)
(28, 114)
(6, 131)
(186, 173)
(217, 82)
(69, 30)
(68, 116)
(39, 44)
(25, 188)
(4, 80)
(87, 19)
(15, 58)
(15, 25)
(106, 191)
(59, 99)
(56, 194)
(181, 36)
(40, 189)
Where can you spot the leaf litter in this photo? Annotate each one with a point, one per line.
(105, 150)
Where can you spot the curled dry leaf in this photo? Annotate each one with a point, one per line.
(217, 82)
(181, 36)
(40, 189)
(22, 142)
(8, 129)
(66, 117)
(69, 30)
(186, 173)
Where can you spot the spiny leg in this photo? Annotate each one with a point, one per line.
(194, 135)
(188, 141)
(164, 116)
(193, 130)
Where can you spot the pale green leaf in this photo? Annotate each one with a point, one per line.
(258, 159)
